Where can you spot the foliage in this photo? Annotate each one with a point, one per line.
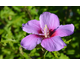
(11, 33)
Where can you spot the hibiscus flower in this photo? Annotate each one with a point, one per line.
(46, 31)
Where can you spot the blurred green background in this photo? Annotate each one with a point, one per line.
(11, 33)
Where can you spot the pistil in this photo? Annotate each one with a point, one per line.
(46, 31)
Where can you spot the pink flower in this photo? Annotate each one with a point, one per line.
(46, 31)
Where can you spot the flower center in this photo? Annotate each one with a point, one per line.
(46, 31)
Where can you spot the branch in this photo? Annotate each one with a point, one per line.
(28, 12)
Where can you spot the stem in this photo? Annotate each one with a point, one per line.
(3, 22)
(45, 54)
(55, 54)
(21, 51)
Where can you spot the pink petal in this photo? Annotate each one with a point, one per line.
(65, 30)
(53, 44)
(33, 26)
(30, 41)
(51, 20)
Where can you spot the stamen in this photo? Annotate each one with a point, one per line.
(46, 31)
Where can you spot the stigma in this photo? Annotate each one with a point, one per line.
(46, 31)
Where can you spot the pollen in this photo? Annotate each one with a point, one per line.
(46, 31)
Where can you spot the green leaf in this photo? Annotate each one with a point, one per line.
(1, 56)
(71, 52)
(62, 56)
